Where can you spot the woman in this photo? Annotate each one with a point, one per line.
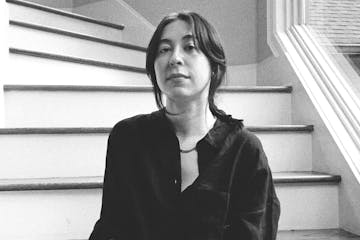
(187, 171)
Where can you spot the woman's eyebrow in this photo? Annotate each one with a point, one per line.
(164, 40)
(185, 37)
(188, 37)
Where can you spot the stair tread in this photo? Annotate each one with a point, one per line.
(79, 60)
(97, 130)
(19, 87)
(65, 13)
(322, 234)
(77, 35)
(304, 176)
(92, 182)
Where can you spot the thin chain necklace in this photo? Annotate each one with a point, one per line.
(188, 150)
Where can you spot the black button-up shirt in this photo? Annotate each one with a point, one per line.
(232, 198)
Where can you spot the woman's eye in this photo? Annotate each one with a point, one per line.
(164, 50)
(190, 47)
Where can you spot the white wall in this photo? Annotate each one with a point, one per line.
(263, 50)
(65, 5)
(137, 29)
(235, 21)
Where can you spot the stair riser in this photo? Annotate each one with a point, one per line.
(51, 155)
(34, 70)
(104, 108)
(69, 214)
(74, 212)
(34, 16)
(35, 40)
(308, 206)
(287, 151)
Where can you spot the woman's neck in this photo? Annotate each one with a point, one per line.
(191, 119)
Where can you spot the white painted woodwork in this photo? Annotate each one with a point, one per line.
(287, 151)
(4, 16)
(34, 70)
(52, 155)
(71, 214)
(30, 15)
(73, 155)
(40, 215)
(36, 40)
(104, 108)
(308, 206)
(257, 108)
(332, 98)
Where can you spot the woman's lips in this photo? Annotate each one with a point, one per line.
(176, 75)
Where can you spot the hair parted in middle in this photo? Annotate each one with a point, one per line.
(206, 39)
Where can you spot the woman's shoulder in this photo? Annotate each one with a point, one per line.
(247, 142)
(249, 138)
(242, 133)
(136, 123)
(252, 152)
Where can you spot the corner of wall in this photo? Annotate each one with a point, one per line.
(272, 70)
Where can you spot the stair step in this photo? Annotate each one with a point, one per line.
(77, 35)
(64, 13)
(33, 13)
(48, 152)
(41, 39)
(31, 70)
(322, 234)
(72, 106)
(75, 210)
(76, 60)
(305, 177)
(94, 182)
(38, 67)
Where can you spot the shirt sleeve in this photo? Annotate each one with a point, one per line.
(119, 206)
(254, 207)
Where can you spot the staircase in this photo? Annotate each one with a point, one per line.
(72, 79)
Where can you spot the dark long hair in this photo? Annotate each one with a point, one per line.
(206, 39)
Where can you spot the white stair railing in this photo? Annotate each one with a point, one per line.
(334, 100)
(4, 54)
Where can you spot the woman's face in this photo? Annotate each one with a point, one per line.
(182, 71)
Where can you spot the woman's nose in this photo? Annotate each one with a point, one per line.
(176, 58)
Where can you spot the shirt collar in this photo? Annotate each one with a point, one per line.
(216, 135)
